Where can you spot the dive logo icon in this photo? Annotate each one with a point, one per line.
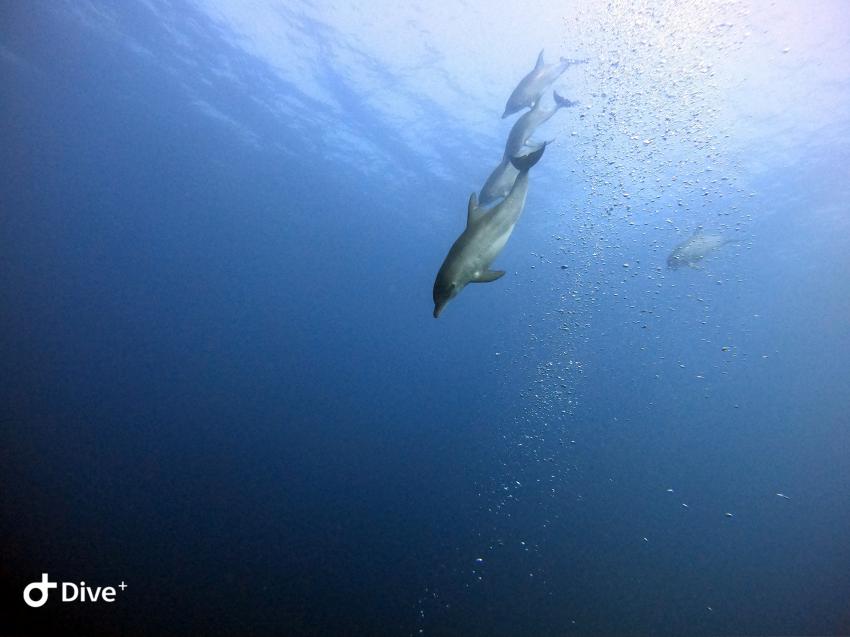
(36, 594)
(42, 587)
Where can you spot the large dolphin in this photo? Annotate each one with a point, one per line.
(501, 180)
(531, 87)
(486, 233)
(695, 248)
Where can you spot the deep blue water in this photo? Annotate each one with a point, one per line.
(221, 379)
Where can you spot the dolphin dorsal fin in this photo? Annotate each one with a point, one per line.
(472, 209)
(539, 64)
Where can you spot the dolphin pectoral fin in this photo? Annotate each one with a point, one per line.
(532, 146)
(539, 64)
(488, 275)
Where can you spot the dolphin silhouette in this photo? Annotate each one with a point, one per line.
(695, 248)
(531, 87)
(486, 233)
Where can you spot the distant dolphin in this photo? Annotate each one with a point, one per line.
(486, 233)
(695, 248)
(531, 87)
(501, 180)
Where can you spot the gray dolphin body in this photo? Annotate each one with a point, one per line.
(501, 180)
(531, 87)
(486, 233)
(695, 248)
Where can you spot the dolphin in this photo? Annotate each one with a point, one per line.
(502, 178)
(486, 233)
(531, 87)
(499, 183)
(695, 248)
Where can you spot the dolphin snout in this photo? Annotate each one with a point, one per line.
(438, 308)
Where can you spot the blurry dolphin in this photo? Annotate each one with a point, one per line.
(528, 122)
(695, 248)
(531, 87)
(502, 178)
(486, 233)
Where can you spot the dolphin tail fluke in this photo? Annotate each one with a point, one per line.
(562, 102)
(570, 61)
(523, 164)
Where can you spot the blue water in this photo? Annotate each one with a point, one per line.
(221, 379)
